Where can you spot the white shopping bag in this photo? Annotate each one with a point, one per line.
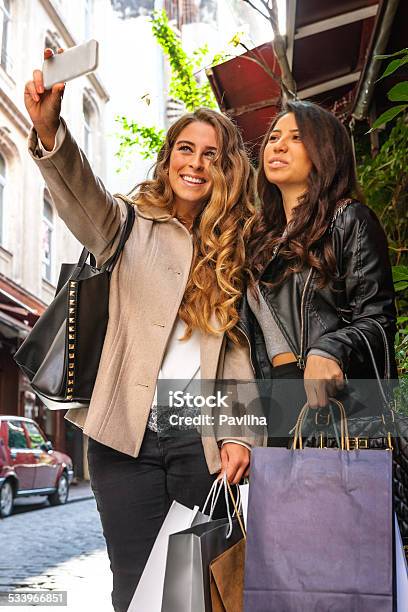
(149, 592)
(401, 570)
(244, 491)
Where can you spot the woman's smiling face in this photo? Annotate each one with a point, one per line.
(194, 150)
(286, 161)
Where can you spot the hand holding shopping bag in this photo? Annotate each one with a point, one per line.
(319, 531)
(148, 594)
(190, 552)
(227, 570)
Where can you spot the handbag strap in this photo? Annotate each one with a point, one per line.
(387, 361)
(127, 228)
(340, 300)
(386, 400)
(111, 262)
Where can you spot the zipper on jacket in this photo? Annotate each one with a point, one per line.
(283, 331)
(301, 359)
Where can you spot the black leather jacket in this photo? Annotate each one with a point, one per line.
(310, 317)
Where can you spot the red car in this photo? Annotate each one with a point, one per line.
(29, 465)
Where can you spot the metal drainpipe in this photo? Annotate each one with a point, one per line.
(373, 67)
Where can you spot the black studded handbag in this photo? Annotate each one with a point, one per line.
(61, 354)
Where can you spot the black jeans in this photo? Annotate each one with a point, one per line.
(133, 496)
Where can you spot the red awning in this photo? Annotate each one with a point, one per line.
(19, 309)
(246, 92)
(329, 45)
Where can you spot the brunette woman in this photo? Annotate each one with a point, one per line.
(172, 312)
(319, 268)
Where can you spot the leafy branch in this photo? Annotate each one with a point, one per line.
(184, 87)
(148, 140)
(398, 93)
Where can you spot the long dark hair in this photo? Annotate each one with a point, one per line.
(331, 179)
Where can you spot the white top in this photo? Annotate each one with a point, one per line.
(182, 357)
(181, 361)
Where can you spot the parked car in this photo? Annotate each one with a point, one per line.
(29, 465)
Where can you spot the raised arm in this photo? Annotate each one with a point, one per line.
(92, 214)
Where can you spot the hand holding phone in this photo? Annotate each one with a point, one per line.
(43, 99)
(44, 106)
(75, 62)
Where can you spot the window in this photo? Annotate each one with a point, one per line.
(88, 19)
(50, 43)
(16, 435)
(2, 188)
(35, 435)
(5, 19)
(48, 228)
(88, 112)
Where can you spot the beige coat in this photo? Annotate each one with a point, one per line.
(147, 286)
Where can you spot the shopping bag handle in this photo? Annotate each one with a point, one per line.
(344, 433)
(217, 486)
(236, 510)
(214, 494)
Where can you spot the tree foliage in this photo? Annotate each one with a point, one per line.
(385, 183)
(184, 87)
(147, 139)
(398, 93)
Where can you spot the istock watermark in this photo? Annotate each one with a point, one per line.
(180, 399)
(201, 420)
(246, 408)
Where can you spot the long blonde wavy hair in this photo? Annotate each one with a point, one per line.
(220, 231)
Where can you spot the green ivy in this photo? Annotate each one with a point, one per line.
(148, 140)
(184, 87)
(385, 183)
(398, 93)
(400, 276)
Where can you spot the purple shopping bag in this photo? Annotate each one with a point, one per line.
(319, 533)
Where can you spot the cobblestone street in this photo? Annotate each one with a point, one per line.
(57, 549)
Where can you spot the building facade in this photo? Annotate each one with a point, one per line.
(33, 240)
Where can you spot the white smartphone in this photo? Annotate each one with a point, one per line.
(74, 62)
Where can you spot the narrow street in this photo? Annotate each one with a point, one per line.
(57, 549)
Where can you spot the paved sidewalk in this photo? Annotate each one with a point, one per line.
(59, 548)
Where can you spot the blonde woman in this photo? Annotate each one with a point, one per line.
(172, 312)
